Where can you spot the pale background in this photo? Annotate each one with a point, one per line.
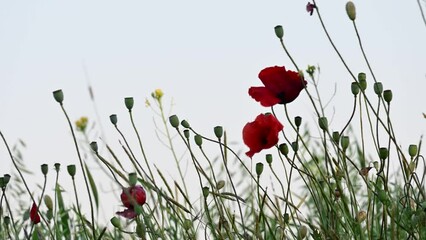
(204, 55)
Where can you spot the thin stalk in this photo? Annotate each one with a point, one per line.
(78, 209)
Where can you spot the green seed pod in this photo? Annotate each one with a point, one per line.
(71, 170)
(133, 178)
(115, 222)
(185, 124)
(57, 166)
(174, 121)
(383, 153)
(198, 140)
(336, 137)
(49, 214)
(141, 230)
(259, 169)
(268, 158)
(205, 192)
(383, 197)
(283, 149)
(295, 146)
(44, 169)
(6, 178)
(350, 10)
(355, 88)
(218, 131)
(186, 133)
(220, 184)
(323, 123)
(378, 88)
(187, 224)
(6, 220)
(344, 142)
(387, 95)
(279, 31)
(128, 101)
(298, 121)
(113, 119)
(48, 202)
(94, 146)
(362, 80)
(286, 218)
(2, 184)
(412, 150)
(59, 96)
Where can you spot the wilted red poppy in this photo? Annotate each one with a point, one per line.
(281, 86)
(310, 8)
(130, 197)
(262, 133)
(35, 218)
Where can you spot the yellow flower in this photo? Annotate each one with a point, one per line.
(157, 94)
(81, 124)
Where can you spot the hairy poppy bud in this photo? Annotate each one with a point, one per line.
(48, 202)
(350, 10)
(279, 31)
(116, 222)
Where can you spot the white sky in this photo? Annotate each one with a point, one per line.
(204, 55)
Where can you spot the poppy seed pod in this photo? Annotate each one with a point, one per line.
(6, 178)
(116, 222)
(44, 169)
(378, 88)
(113, 119)
(57, 166)
(185, 124)
(336, 137)
(48, 202)
(412, 150)
(132, 179)
(186, 133)
(198, 140)
(141, 230)
(71, 170)
(283, 149)
(279, 31)
(58, 95)
(94, 146)
(259, 169)
(6, 220)
(303, 231)
(128, 101)
(355, 88)
(295, 146)
(387, 95)
(298, 121)
(350, 10)
(344, 142)
(2, 184)
(174, 121)
(205, 192)
(383, 153)
(323, 123)
(362, 80)
(268, 158)
(218, 131)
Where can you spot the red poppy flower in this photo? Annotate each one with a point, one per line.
(35, 218)
(310, 8)
(262, 133)
(281, 86)
(130, 197)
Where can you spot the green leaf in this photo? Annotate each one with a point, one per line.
(93, 186)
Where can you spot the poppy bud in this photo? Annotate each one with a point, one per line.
(57, 166)
(59, 96)
(295, 146)
(218, 131)
(44, 169)
(412, 150)
(205, 191)
(141, 230)
(279, 31)
(378, 88)
(344, 142)
(336, 137)
(71, 170)
(298, 121)
(323, 123)
(138, 209)
(185, 124)
(94, 146)
(268, 158)
(383, 197)
(133, 178)
(220, 184)
(6, 220)
(350, 10)
(362, 80)
(198, 140)
(355, 88)
(48, 202)
(6, 178)
(187, 224)
(361, 216)
(286, 218)
(128, 101)
(303, 231)
(387, 95)
(113, 119)
(115, 222)
(259, 169)
(283, 149)
(383, 153)
(174, 121)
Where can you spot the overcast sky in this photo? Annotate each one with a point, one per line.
(203, 54)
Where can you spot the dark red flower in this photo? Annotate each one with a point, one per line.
(281, 86)
(35, 218)
(130, 197)
(262, 133)
(310, 8)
